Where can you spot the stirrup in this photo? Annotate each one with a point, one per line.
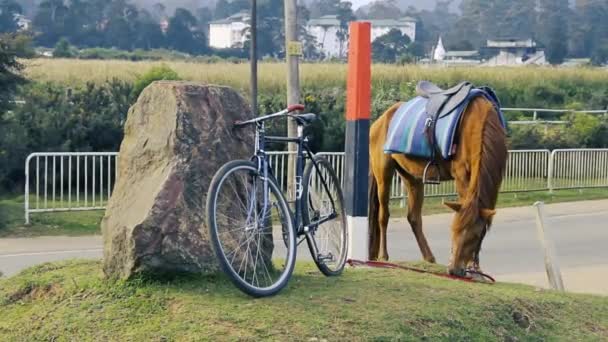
(425, 180)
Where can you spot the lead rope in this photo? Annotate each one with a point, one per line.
(381, 264)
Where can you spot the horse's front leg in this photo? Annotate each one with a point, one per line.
(415, 193)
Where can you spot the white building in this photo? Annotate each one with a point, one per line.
(439, 51)
(23, 23)
(229, 32)
(326, 32)
(515, 52)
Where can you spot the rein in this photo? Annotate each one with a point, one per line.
(380, 264)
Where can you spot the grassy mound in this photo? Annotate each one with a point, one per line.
(71, 301)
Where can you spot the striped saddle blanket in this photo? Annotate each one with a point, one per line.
(408, 128)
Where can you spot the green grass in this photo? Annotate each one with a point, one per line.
(72, 301)
(78, 223)
(434, 205)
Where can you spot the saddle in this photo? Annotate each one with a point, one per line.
(440, 103)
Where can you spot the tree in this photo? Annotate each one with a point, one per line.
(345, 16)
(589, 29)
(270, 31)
(149, 33)
(10, 80)
(181, 34)
(390, 46)
(383, 10)
(8, 10)
(120, 29)
(63, 49)
(490, 19)
(463, 45)
(222, 10)
(204, 15)
(600, 54)
(50, 22)
(309, 42)
(430, 25)
(10, 69)
(553, 19)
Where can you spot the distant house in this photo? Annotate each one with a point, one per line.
(229, 32)
(326, 31)
(23, 23)
(443, 56)
(462, 57)
(164, 25)
(513, 52)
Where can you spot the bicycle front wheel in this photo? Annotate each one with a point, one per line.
(251, 229)
(324, 213)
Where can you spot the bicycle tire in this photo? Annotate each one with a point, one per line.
(226, 265)
(338, 201)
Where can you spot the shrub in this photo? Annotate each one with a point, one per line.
(63, 49)
(158, 73)
(87, 118)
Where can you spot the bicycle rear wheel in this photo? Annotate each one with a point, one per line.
(251, 231)
(323, 211)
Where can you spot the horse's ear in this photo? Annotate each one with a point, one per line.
(487, 214)
(453, 205)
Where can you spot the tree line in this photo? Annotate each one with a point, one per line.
(563, 30)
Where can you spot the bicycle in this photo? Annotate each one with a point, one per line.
(253, 230)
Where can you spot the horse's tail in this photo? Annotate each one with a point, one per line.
(488, 168)
(374, 208)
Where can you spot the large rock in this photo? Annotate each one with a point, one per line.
(176, 137)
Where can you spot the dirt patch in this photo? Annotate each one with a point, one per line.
(34, 292)
(175, 307)
(597, 329)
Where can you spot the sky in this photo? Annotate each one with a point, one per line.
(419, 4)
(359, 3)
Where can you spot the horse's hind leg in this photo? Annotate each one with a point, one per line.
(415, 193)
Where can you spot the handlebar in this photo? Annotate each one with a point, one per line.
(288, 110)
(295, 107)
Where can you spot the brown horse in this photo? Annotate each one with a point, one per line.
(477, 168)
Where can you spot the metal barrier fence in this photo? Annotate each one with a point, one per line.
(84, 181)
(578, 168)
(68, 181)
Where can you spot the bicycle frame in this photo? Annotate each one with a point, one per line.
(303, 152)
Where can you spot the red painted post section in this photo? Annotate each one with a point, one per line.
(358, 109)
(358, 87)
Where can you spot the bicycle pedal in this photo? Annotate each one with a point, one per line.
(329, 257)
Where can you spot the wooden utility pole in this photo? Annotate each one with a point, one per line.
(293, 51)
(253, 55)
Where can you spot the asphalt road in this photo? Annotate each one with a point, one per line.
(511, 251)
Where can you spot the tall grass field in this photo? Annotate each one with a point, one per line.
(323, 84)
(272, 76)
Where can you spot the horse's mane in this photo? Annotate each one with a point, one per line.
(486, 172)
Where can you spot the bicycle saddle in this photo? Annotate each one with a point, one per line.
(304, 119)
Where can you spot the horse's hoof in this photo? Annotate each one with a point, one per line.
(459, 272)
(430, 260)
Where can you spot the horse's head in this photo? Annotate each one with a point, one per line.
(468, 230)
